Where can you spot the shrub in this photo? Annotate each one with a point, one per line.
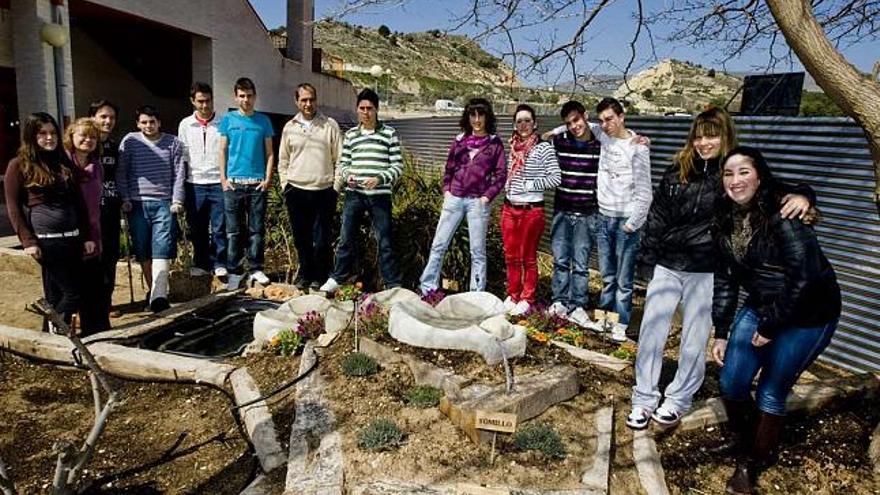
(384, 31)
(359, 364)
(380, 434)
(423, 396)
(348, 292)
(540, 437)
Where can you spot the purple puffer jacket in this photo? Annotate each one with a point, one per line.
(483, 175)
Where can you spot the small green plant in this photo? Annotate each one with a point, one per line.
(349, 292)
(540, 437)
(373, 319)
(626, 351)
(287, 342)
(380, 434)
(359, 364)
(423, 396)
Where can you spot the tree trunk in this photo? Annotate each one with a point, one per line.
(856, 95)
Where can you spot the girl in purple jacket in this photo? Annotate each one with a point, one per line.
(475, 173)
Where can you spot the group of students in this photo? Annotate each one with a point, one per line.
(717, 223)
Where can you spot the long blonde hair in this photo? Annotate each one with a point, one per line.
(712, 122)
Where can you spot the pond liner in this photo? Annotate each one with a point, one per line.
(221, 332)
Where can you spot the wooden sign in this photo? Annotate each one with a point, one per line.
(469, 489)
(598, 314)
(495, 421)
(612, 316)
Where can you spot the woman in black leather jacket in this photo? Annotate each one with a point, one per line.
(789, 315)
(677, 244)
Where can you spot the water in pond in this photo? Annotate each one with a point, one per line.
(221, 331)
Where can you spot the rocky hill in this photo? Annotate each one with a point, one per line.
(676, 86)
(411, 56)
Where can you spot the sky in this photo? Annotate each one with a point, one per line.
(608, 36)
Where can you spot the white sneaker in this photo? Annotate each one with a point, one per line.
(197, 272)
(329, 286)
(638, 418)
(598, 325)
(260, 278)
(508, 304)
(666, 416)
(220, 272)
(234, 281)
(557, 309)
(618, 332)
(579, 317)
(520, 308)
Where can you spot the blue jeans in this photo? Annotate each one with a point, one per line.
(617, 262)
(572, 236)
(454, 210)
(205, 215)
(781, 361)
(153, 230)
(245, 208)
(355, 207)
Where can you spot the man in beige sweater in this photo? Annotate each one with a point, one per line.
(309, 150)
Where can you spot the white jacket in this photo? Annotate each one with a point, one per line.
(202, 145)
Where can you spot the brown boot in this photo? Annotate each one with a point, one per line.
(747, 470)
(740, 427)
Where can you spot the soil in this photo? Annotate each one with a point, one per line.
(25, 286)
(822, 454)
(42, 404)
(187, 445)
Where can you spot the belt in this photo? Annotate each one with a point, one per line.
(246, 182)
(524, 206)
(59, 235)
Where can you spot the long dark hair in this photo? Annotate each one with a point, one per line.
(767, 198)
(479, 106)
(38, 166)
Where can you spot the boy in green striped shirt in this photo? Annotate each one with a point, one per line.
(370, 164)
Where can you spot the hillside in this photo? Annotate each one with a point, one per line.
(676, 86)
(412, 55)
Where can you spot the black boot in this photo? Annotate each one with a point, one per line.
(740, 424)
(759, 458)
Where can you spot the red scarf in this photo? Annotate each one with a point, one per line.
(519, 150)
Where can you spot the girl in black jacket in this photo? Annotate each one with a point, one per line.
(677, 244)
(789, 315)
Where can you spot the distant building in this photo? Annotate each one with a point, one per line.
(137, 52)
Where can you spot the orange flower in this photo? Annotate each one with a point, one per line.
(562, 331)
(523, 323)
(359, 285)
(541, 337)
(274, 342)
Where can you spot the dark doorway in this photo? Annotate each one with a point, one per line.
(9, 124)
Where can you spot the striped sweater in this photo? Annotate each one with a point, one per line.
(371, 154)
(579, 164)
(151, 170)
(540, 172)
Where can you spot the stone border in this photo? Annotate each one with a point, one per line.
(257, 420)
(809, 397)
(592, 357)
(423, 373)
(597, 476)
(647, 461)
(395, 487)
(315, 465)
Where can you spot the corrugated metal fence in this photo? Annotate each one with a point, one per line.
(830, 154)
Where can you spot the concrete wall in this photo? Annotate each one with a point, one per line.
(34, 62)
(240, 46)
(6, 59)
